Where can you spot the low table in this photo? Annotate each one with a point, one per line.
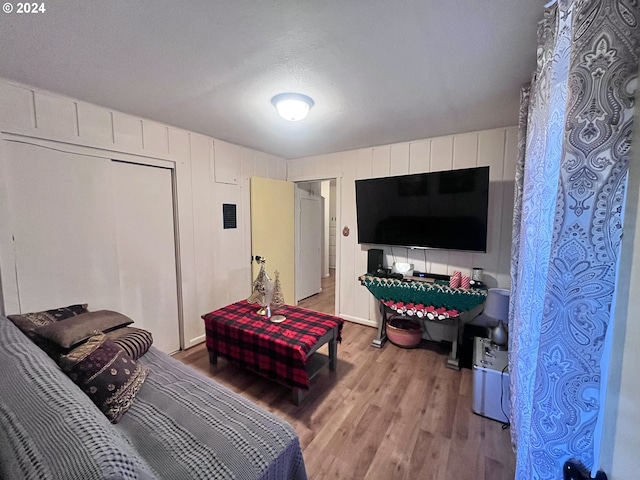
(284, 352)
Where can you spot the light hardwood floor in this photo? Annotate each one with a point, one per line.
(325, 300)
(385, 413)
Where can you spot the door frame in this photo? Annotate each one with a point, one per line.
(337, 176)
(298, 199)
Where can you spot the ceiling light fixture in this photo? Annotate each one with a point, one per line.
(292, 106)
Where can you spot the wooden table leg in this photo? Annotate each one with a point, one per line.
(316, 361)
(333, 351)
(298, 395)
(213, 358)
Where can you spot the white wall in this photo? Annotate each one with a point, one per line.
(496, 148)
(214, 263)
(621, 421)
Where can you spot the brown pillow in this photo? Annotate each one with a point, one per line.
(134, 341)
(28, 322)
(106, 374)
(77, 329)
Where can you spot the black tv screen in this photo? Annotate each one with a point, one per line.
(445, 210)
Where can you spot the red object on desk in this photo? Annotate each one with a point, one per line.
(275, 350)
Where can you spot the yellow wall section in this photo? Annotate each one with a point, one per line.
(272, 230)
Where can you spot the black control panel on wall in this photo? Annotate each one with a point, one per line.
(229, 219)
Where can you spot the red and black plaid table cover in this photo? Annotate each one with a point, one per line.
(277, 351)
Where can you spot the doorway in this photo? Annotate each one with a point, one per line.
(316, 221)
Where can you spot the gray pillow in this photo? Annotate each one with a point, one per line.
(28, 322)
(75, 330)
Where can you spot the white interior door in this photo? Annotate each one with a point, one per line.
(62, 228)
(143, 199)
(309, 272)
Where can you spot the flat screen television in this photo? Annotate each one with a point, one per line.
(443, 210)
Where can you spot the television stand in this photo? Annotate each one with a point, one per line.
(453, 361)
(426, 295)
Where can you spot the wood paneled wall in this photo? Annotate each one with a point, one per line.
(496, 148)
(214, 263)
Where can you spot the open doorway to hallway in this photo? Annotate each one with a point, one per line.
(316, 221)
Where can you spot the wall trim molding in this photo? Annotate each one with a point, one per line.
(361, 321)
(314, 177)
(196, 341)
(90, 149)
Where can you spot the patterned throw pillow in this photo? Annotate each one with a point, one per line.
(134, 341)
(76, 330)
(28, 322)
(109, 376)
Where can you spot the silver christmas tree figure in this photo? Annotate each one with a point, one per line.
(260, 288)
(278, 298)
(277, 301)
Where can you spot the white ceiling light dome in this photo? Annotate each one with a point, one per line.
(292, 106)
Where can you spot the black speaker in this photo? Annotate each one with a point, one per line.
(374, 260)
(465, 352)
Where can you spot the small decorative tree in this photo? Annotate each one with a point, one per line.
(277, 302)
(260, 287)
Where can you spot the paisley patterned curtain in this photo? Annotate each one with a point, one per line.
(575, 133)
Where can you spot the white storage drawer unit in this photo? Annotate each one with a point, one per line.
(490, 381)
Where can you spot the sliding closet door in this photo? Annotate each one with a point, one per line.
(143, 200)
(62, 226)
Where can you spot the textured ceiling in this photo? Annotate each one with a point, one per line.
(379, 71)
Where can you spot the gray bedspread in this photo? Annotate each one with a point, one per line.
(182, 425)
(188, 426)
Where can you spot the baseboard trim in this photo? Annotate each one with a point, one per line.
(197, 340)
(361, 321)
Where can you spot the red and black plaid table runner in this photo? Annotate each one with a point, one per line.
(275, 350)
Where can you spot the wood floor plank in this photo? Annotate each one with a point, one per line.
(495, 470)
(324, 301)
(429, 456)
(385, 414)
(324, 467)
(441, 405)
(394, 454)
(466, 459)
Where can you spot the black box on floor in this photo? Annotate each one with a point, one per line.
(466, 348)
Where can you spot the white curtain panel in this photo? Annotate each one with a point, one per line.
(575, 133)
